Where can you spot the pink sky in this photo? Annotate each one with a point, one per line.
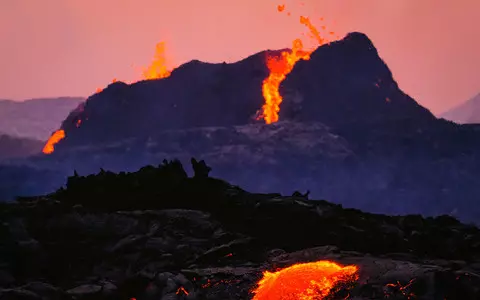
(71, 47)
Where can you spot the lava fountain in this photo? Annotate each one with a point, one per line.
(159, 67)
(280, 66)
(304, 281)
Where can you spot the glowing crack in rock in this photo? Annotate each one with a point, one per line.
(304, 281)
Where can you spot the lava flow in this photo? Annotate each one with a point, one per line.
(56, 137)
(306, 281)
(281, 66)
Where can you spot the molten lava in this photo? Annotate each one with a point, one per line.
(306, 281)
(281, 66)
(56, 137)
(159, 66)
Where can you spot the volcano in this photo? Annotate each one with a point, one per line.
(342, 82)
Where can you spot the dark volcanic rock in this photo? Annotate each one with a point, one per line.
(196, 94)
(158, 234)
(347, 82)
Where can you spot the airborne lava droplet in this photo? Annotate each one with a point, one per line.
(306, 281)
(56, 137)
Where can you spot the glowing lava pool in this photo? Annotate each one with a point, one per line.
(305, 281)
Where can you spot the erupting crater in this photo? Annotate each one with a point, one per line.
(304, 281)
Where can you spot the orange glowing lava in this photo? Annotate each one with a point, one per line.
(56, 137)
(281, 66)
(306, 281)
(159, 67)
(182, 291)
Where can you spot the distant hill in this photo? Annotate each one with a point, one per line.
(465, 113)
(15, 147)
(35, 118)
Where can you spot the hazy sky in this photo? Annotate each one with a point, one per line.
(71, 47)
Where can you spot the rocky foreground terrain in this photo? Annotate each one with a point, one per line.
(159, 234)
